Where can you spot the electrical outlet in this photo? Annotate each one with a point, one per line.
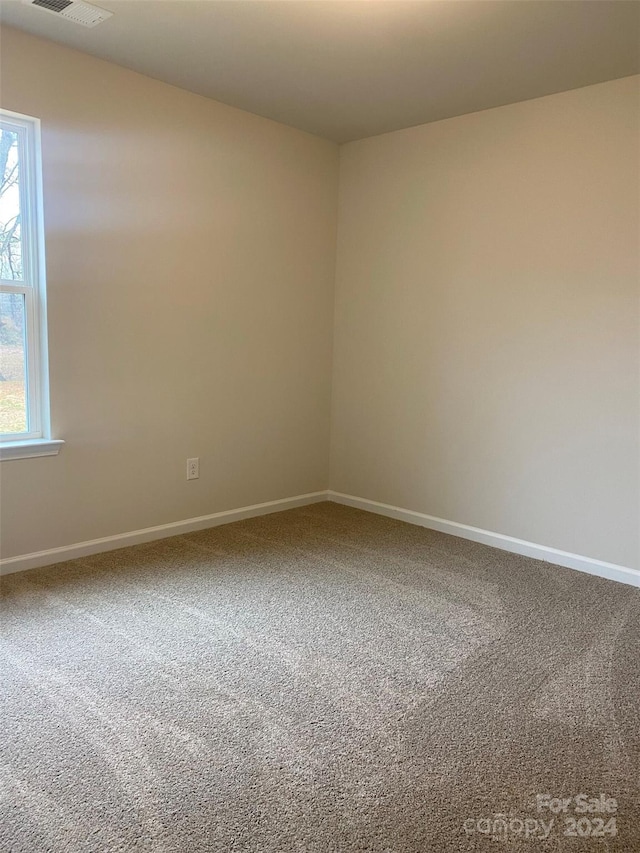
(193, 468)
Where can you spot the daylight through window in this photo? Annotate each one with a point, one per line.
(23, 368)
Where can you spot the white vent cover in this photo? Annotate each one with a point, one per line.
(73, 10)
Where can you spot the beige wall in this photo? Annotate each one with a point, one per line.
(487, 344)
(190, 262)
(486, 320)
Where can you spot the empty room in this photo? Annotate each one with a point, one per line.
(319, 426)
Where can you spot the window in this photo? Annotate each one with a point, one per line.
(24, 403)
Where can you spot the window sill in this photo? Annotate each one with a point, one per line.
(27, 449)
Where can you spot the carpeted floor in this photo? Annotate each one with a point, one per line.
(318, 680)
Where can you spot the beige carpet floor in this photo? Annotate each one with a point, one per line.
(320, 680)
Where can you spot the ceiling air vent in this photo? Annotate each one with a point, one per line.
(73, 10)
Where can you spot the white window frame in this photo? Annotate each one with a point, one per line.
(37, 441)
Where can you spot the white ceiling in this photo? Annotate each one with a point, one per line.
(346, 70)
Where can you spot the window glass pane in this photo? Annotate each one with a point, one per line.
(10, 239)
(13, 362)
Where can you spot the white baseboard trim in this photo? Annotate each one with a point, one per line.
(38, 559)
(149, 534)
(610, 571)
